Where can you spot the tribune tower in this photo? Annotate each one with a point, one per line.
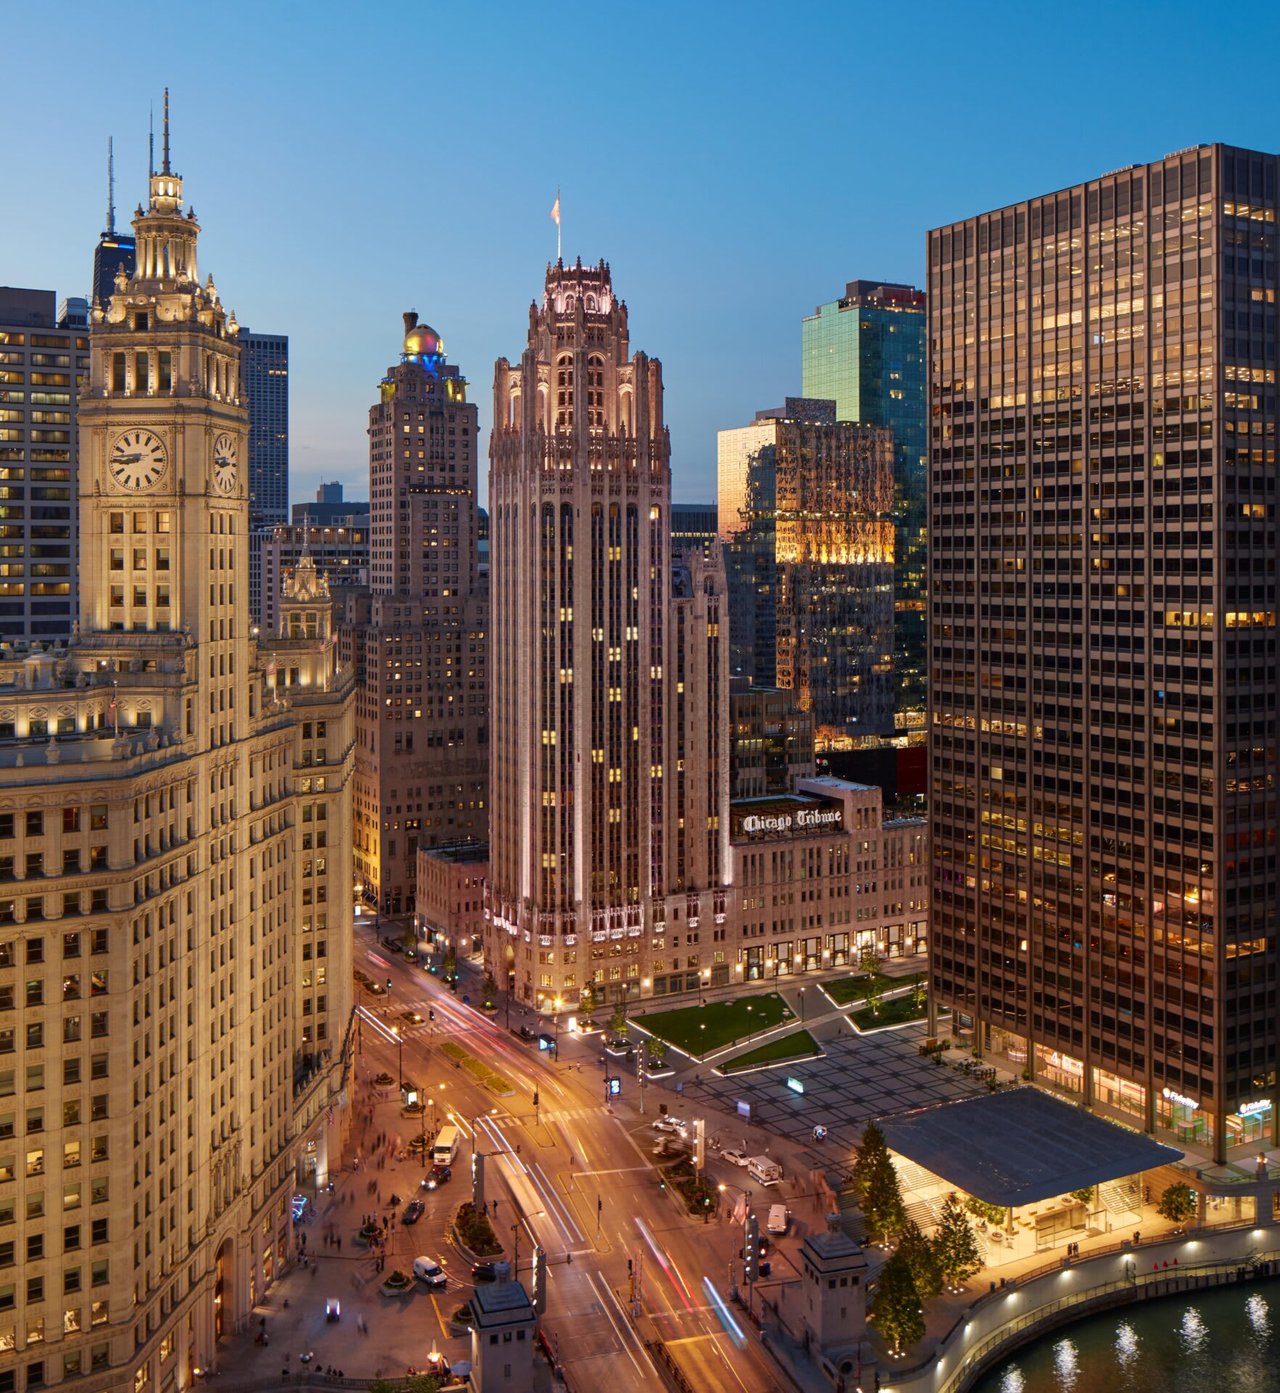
(608, 758)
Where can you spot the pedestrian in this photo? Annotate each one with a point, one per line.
(338, 1241)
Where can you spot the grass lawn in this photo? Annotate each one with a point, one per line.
(845, 990)
(724, 1021)
(801, 1045)
(896, 1012)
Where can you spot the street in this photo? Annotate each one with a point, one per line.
(576, 1176)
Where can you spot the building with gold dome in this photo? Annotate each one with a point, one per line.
(175, 973)
(416, 636)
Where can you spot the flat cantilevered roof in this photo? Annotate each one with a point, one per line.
(1020, 1146)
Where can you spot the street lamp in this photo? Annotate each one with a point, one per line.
(395, 1030)
(802, 1006)
(557, 1004)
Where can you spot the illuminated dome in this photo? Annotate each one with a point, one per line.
(422, 341)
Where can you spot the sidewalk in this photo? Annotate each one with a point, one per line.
(396, 1334)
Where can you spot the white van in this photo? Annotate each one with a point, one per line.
(764, 1171)
(445, 1150)
(779, 1215)
(429, 1272)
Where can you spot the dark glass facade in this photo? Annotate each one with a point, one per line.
(1102, 606)
(264, 368)
(867, 353)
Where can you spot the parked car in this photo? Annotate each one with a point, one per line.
(735, 1158)
(667, 1124)
(526, 1033)
(483, 1272)
(414, 1212)
(429, 1272)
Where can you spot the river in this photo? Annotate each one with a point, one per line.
(1223, 1340)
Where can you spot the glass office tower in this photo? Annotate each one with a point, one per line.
(1102, 605)
(866, 352)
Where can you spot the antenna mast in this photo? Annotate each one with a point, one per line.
(151, 141)
(166, 169)
(111, 187)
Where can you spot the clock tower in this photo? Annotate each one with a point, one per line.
(163, 503)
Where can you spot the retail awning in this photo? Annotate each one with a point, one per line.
(1021, 1146)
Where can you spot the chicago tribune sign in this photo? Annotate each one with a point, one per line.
(759, 823)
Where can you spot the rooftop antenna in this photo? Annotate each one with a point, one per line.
(166, 169)
(111, 188)
(151, 140)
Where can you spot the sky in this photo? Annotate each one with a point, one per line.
(735, 164)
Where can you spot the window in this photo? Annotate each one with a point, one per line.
(35, 824)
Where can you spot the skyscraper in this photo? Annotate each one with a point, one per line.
(43, 361)
(867, 353)
(417, 636)
(115, 250)
(1103, 667)
(811, 562)
(173, 1002)
(264, 365)
(610, 731)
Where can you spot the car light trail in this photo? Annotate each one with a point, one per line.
(664, 1262)
(734, 1330)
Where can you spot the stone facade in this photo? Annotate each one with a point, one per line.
(174, 997)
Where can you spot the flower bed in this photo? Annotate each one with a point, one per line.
(476, 1232)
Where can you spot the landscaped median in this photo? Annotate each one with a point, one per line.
(863, 986)
(702, 1030)
(898, 1010)
(478, 1069)
(799, 1045)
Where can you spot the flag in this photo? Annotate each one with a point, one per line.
(555, 210)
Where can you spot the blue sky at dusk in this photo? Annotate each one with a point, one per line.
(736, 164)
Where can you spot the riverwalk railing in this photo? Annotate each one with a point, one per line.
(1022, 1325)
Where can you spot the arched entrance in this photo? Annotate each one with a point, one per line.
(224, 1290)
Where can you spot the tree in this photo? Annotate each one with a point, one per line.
(587, 998)
(1179, 1203)
(618, 1022)
(1084, 1194)
(490, 989)
(922, 1257)
(955, 1244)
(869, 959)
(875, 993)
(871, 1148)
(882, 1205)
(896, 1308)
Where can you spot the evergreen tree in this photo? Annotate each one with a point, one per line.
(922, 1257)
(870, 1152)
(896, 1308)
(883, 1208)
(955, 1244)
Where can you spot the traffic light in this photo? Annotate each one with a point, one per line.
(388, 983)
(751, 1250)
(431, 1013)
(535, 1097)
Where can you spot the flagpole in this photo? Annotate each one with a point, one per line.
(558, 252)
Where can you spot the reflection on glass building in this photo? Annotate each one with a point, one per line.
(866, 352)
(1103, 640)
(811, 562)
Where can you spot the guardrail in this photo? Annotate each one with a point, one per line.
(1019, 1328)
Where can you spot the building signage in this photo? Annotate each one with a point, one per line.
(1253, 1109)
(757, 824)
(1180, 1098)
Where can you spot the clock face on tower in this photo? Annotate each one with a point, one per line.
(138, 459)
(225, 460)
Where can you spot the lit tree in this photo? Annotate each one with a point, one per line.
(896, 1308)
(1178, 1203)
(955, 1244)
(922, 1257)
(871, 1148)
(882, 1205)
